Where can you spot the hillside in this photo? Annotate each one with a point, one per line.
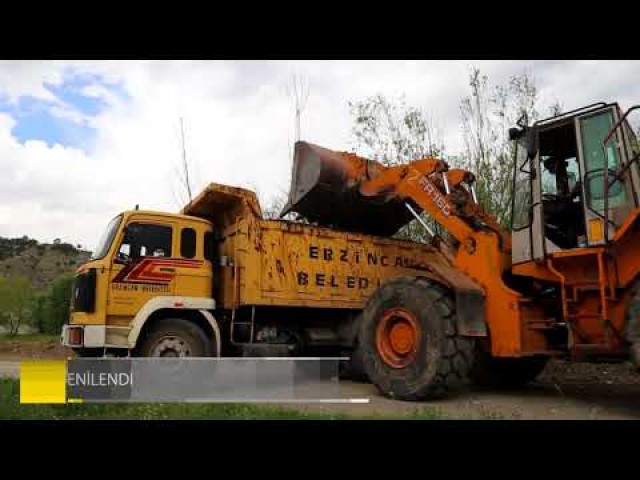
(41, 263)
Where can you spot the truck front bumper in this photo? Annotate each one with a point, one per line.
(93, 336)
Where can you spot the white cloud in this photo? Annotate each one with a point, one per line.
(239, 127)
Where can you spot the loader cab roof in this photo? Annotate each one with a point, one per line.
(553, 121)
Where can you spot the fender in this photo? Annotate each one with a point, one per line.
(202, 305)
(214, 325)
(469, 297)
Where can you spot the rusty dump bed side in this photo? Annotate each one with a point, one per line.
(281, 263)
(290, 264)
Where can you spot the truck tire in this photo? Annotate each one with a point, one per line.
(632, 326)
(410, 347)
(505, 373)
(176, 337)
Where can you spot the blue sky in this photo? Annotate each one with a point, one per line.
(121, 119)
(66, 120)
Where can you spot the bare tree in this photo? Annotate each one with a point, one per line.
(556, 108)
(185, 164)
(182, 193)
(393, 133)
(487, 114)
(275, 206)
(298, 90)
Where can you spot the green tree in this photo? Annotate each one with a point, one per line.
(487, 114)
(38, 312)
(392, 132)
(52, 308)
(16, 297)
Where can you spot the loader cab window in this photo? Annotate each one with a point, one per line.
(522, 188)
(593, 130)
(145, 240)
(561, 186)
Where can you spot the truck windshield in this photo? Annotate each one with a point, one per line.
(107, 238)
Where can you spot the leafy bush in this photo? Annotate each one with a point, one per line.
(51, 310)
(16, 296)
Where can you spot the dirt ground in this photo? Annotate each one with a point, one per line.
(34, 349)
(563, 391)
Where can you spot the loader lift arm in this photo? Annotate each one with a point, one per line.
(483, 247)
(446, 195)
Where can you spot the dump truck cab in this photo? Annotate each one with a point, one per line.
(146, 265)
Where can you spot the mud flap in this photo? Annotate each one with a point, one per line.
(470, 313)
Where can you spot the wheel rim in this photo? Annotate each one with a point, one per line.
(397, 337)
(171, 347)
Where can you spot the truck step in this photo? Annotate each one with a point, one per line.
(267, 349)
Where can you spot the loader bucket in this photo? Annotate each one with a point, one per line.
(325, 190)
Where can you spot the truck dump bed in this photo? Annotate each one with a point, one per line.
(281, 263)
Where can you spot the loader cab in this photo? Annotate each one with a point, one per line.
(567, 187)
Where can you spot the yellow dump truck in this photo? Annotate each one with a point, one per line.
(218, 279)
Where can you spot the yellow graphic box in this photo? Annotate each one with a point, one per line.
(43, 381)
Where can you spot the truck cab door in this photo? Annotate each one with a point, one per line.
(526, 210)
(616, 204)
(143, 267)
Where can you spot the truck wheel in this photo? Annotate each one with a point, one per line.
(410, 348)
(175, 337)
(488, 371)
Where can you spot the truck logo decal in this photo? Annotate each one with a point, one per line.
(154, 271)
(436, 196)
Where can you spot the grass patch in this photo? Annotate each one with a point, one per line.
(30, 337)
(11, 409)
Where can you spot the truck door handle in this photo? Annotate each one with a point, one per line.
(167, 269)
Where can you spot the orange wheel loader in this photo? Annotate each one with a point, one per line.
(564, 283)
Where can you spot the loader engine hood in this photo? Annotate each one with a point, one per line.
(325, 190)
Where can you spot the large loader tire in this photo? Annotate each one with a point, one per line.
(410, 348)
(504, 373)
(632, 325)
(175, 337)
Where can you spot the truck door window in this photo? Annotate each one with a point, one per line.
(146, 239)
(188, 243)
